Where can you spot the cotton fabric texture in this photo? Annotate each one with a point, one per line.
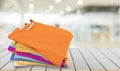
(51, 42)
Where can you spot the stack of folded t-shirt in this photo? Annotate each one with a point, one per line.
(39, 44)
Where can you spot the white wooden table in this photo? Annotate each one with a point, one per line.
(81, 59)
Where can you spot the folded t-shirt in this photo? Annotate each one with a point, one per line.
(31, 57)
(49, 41)
(26, 59)
(23, 51)
(22, 48)
(27, 63)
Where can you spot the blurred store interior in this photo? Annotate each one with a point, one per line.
(94, 23)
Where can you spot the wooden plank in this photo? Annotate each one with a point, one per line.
(97, 60)
(71, 67)
(4, 60)
(23, 68)
(3, 53)
(80, 64)
(48, 68)
(9, 66)
(115, 51)
(92, 62)
(109, 66)
(38, 68)
(2, 49)
(110, 56)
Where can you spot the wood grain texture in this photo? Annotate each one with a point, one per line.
(24, 68)
(9, 66)
(92, 62)
(110, 56)
(3, 53)
(71, 67)
(53, 68)
(2, 49)
(5, 59)
(81, 59)
(103, 60)
(38, 68)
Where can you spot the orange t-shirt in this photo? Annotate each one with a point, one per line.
(51, 42)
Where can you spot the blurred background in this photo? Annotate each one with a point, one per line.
(94, 23)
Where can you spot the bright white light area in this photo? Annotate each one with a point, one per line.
(80, 2)
(10, 18)
(31, 0)
(68, 8)
(57, 1)
(43, 18)
(51, 7)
